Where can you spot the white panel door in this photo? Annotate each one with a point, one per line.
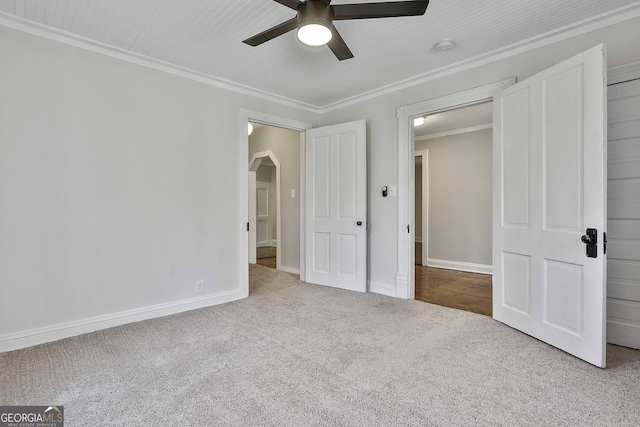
(336, 206)
(549, 187)
(263, 235)
(252, 217)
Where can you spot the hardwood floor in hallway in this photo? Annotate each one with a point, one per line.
(266, 256)
(455, 289)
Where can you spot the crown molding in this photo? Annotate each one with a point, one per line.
(564, 33)
(50, 33)
(579, 28)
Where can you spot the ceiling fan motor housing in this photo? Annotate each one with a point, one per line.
(315, 12)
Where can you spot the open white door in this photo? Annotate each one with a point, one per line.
(263, 231)
(336, 206)
(252, 217)
(549, 187)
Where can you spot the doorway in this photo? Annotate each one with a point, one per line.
(274, 168)
(244, 118)
(453, 207)
(266, 220)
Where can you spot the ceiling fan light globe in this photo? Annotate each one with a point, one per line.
(314, 34)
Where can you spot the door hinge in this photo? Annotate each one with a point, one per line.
(408, 229)
(604, 243)
(247, 226)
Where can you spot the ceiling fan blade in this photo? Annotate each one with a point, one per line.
(338, 46)
(273, 32)
(387, 9)
(293, 4)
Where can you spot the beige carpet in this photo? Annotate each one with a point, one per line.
(294, 354)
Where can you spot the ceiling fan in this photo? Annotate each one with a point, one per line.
(314, 21)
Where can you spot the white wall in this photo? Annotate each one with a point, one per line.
(460, 197)
(112, 177)
(285, 144)
(119, 188)
(380, 113)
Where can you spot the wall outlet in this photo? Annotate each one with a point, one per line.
(199, 286)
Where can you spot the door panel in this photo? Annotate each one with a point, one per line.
(263, 234)
(549, 186)
(252, 217)
(515, 164)
(336, 206)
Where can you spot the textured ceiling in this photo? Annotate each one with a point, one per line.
(206, 36)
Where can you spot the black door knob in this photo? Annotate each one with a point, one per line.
(359, 223)
(586, 239)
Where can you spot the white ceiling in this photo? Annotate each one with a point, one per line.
(205, 36)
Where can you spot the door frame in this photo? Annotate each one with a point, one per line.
(254, 164)
(245, 116)
(405, 280)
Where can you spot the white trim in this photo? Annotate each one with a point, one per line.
(81, 42)
(460, 266)
(303, 213)
(291, 270)
(406, 170)
(573, 30)
(623, 332)
(555, 36)
(623, 73)
(274, 243)
(245, 116)
(381, 288)
(402, 286)
(455, 132)
(45, 334)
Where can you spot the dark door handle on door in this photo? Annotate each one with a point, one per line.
(359, 223)
(591, 240)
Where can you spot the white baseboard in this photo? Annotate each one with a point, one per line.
(382, 288)
(274, 243)
(460, 266)
(289, 270)
(623, 321)
(418, 239)
(37, 336)
(402, 286)
(623, 332)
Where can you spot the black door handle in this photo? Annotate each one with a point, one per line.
(359, 223)
(591, 240)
